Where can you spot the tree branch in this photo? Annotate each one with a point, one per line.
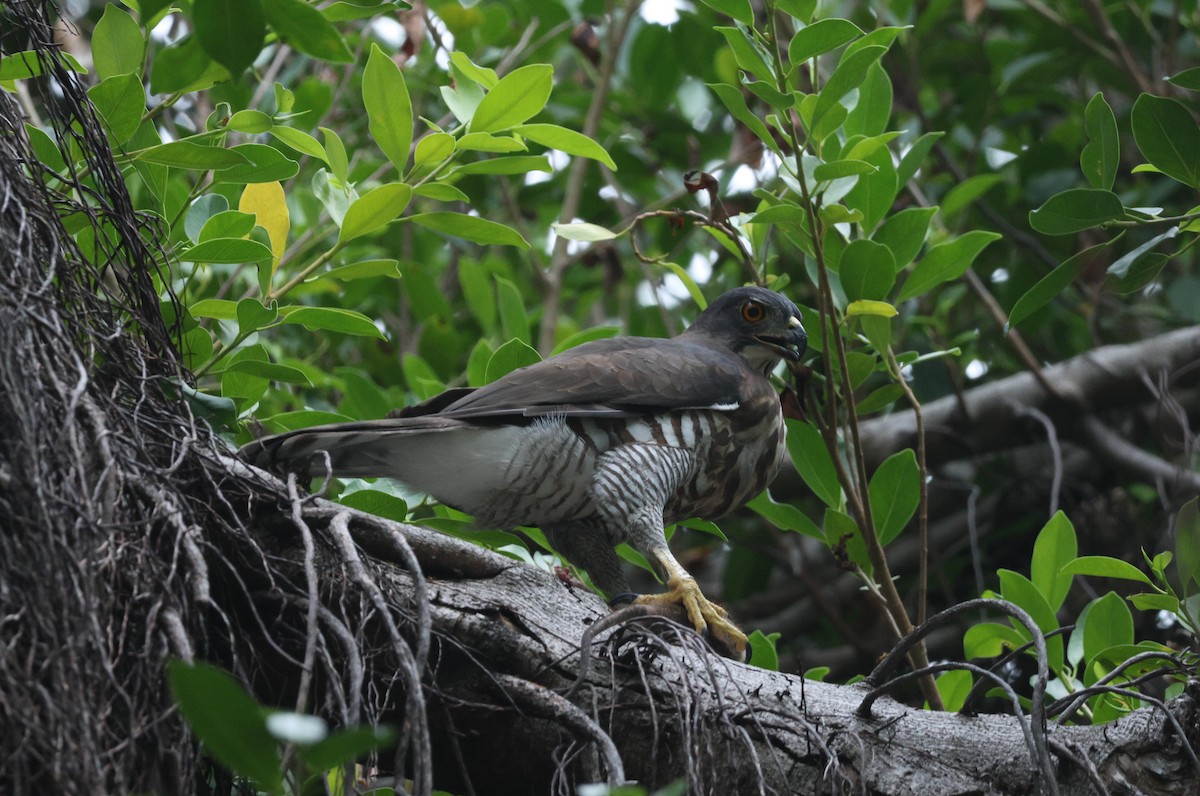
(1111, 375)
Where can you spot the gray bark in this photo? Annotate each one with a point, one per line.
(507, 650)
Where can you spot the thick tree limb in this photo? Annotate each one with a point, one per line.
(678, 711)
(1110, 376)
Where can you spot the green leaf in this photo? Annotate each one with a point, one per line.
(197, 349)
(1076, 209)
(373, 501)
(837, 169)
(582, 231)
(762, 650)
(848, 76)
(249, 121)
(873, 109)
(271, 371)
(227, 250)
(990, 640)
(811, 459)
(227, 224)
(733, 100)
(349, 744)
(263, 164)
(962, 195)
(486, 142)
(1104, 567)
(514, 321)
(1108, 624)
(946, 261)
(332, 319)
(735, 9)
(841, 530)
(374, 209)
(221, 309)
(190, 155)
(1168, 136)
(227, 721)
(306, 29)
(1188, 78)
(915, 156)
(953, 687)
(586, 336)
(867, 270)
(904, 233)
(1142, 272)
(185, 67)
(361, 396)
(564, 140)
(874, 193)
(519, 96)
(879, 399)
(252, 316)
(1052, 284)
(480, 295)
(484, 76)
(1149, 601)
(230, 31)
(521, 164)
(748, 57)
(859, 147)
(300, 141)
(1018, 589)
(895, 491)
(1122, 265)
(441, 192)
(1187, 545)
(508, 357)
(433, 149)
(1102, 153)
(335, 155)
(472, 228)
(303, 418)
(25, 64)
(1054, 548)
(389, 109)
(121, 101)
(879, 37)
(285, 98)
(367, 269)
(688, 282)
(784, 516)
(477, 363)
(350, 11)
(117, 44)
(821, 37)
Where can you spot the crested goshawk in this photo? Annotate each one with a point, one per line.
(604, 443)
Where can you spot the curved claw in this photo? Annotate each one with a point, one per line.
(709, 619)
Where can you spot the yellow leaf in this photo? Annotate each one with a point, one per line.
(267, 202)
(868, 307)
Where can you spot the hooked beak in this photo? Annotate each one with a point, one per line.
(790, 346)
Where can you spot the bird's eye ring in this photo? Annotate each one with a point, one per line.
(753, 312)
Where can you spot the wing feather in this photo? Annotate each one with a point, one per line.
(613, 377)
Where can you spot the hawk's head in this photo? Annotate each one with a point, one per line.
(757, 323)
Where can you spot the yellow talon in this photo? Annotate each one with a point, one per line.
(682, 590)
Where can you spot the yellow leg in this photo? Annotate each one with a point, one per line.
(683, 590)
